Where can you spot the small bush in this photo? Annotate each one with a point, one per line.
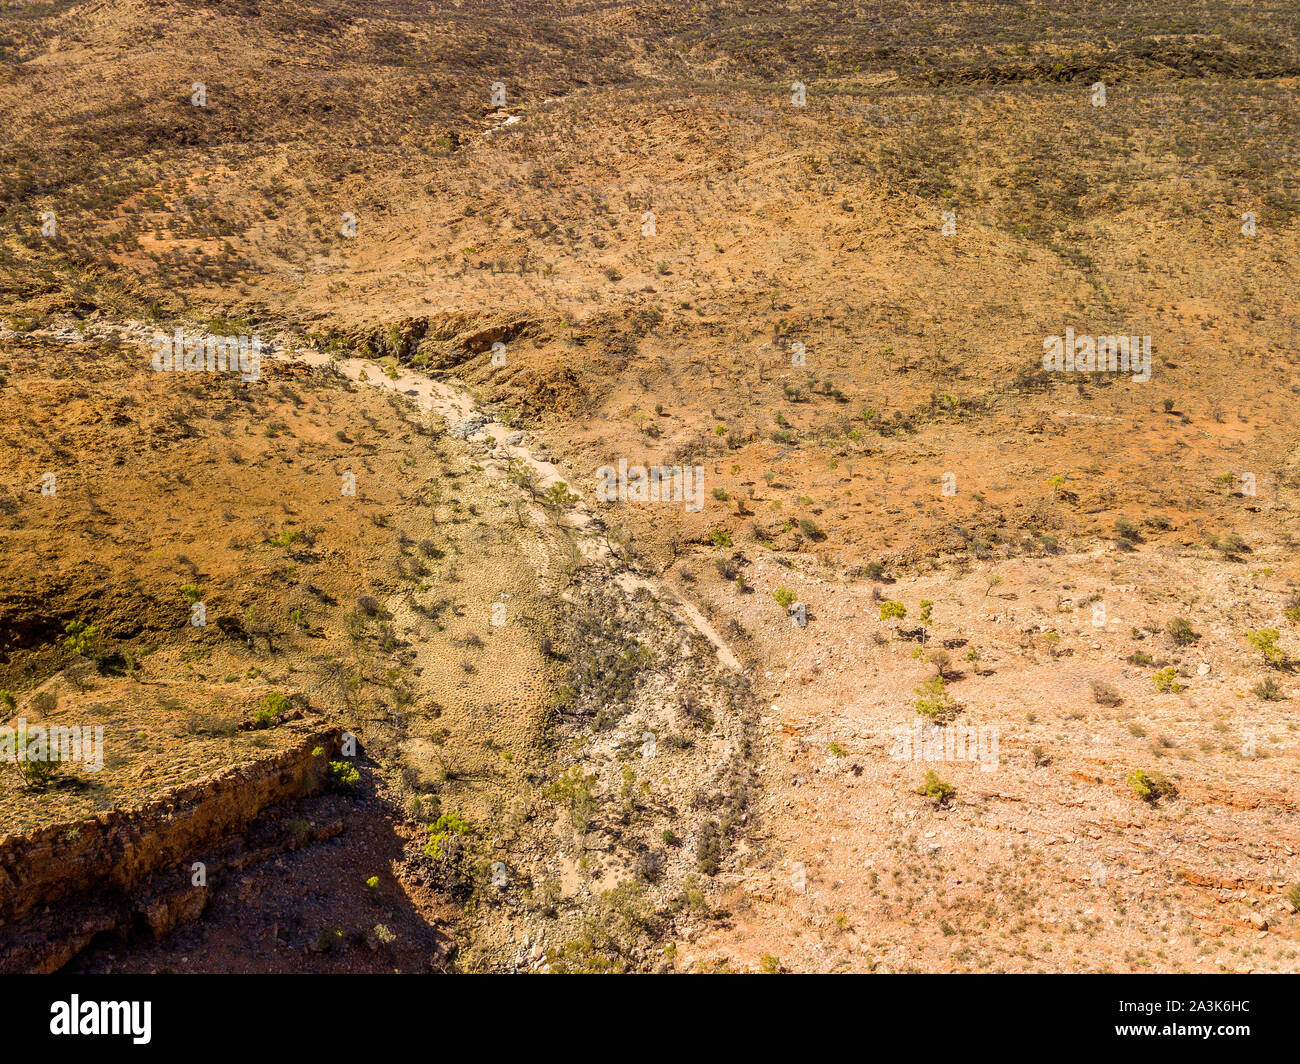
(1127, 531)
(708, 848)
(36, 767)
(214, 724)
(1292, 610)
(933, 701)
(649, 866)
(784, 597)
(274, 706)
(447, 827)
(892, 611)
(575, 789)
(558, 497)
(1181, 632)
(1104, 694)
(942, 661)
(1231, 546)
(1167, 680)
(80, 637)
(936, 790)
(1265, 641)
(1151, 786)
(343, 777)
(1268, 689)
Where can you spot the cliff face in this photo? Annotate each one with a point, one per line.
(132, 869)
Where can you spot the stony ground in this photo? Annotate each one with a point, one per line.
(655, 250)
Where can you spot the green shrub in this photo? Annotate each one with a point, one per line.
(1181, 632)
(784, 597)
(441, 832)
(934, 701)
(274, 706)
(1167, 680)
(36, 767)
(1231, 546)
(558, 497)
(892, 611)
(1292, 610)
(80, 637)
(936, 790)
(1265, 641)
(343, 776)
(708, 848)
(1151, 786)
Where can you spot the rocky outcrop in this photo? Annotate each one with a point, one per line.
(434, 342)
(124, 869)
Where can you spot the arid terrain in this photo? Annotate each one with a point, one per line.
(944, 659)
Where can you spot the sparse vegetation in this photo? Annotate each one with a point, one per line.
(1151, 786)
(444, 836)
(938, 791)
(1265, 641)
(1181, 632)
(643, 745)
(1166, 680)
